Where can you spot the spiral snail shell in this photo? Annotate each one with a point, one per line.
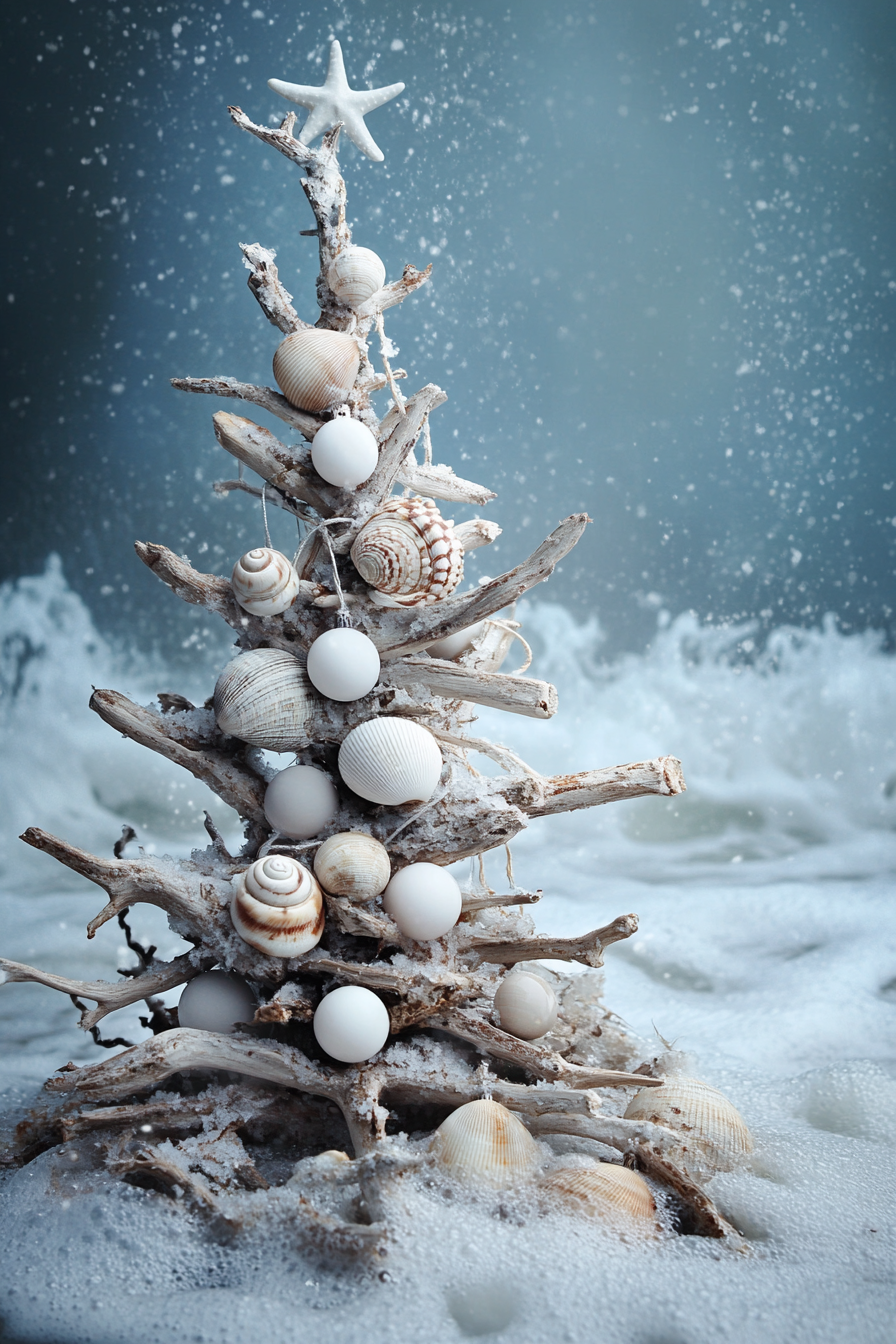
(277, 907)
(316, 368)
(484, 1142)
(264, 582)
(355, 274)
(264, 697)
(409, 552)
(605, 1191)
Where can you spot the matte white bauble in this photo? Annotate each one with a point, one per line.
(391, 761)
(452, 646)
(344, 452)
(526, 1005)
(351, 1024)
(343, 664)
(423, 900)
(216, 1001)
(300, 801)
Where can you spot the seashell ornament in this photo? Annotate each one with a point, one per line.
(409, 552)
(344, 451)
(300, 801)
(526, 1005)
(353, 864)
(316, 368)
(277, 907)
(483, 1141)
(424, 901)
(605, 1191)
(391, 761)
(264, 582)
(264, 697)
(343, 664)
(351, 1024)
(355, 274)
(216, 1001)
(713, 1131)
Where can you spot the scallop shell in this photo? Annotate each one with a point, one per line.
(526, 1005)
(605, 1191)
(264, 582)
(391, 761)
(277, 907)
(483, 1141)
(713, 1131)
(409, 552)
(316, 368)
(355, 274)
(353, 864)
(264, 697)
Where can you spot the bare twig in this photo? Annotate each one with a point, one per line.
(588, 949)
(264, 281)
(265, 397)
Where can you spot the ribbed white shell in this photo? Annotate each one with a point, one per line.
(526, 1005)
(710, 1126)
(355, 274)
(605, 1191)
(277, 907)
(264, 697)
(353, 864)
(410, 552)
(391, 761)
(483, 1141)
(316, 368)
(264, 582)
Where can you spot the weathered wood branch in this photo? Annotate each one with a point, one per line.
(476, 532)
(587, 949)
(287, 469)
(397, 435)
(440, 482)
(280, 138)
(108, 997)
(265, 397)
(273, 297)
(566, 793)
(517, 695)
(473, 903)
(396, 292)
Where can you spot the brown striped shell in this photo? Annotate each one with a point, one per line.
(277, 907)
(604, 1191)
(264, 582)
(409, 552)
(316, 368)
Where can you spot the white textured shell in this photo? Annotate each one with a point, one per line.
(353, 864)
(391, 761)
(483, 1141)
(605, 1191)
(526, 1005)
(356, 274)
(316, 368)
(408, 551)
(277, 907)
(264, 697)
(264, 582)
(713, 1131)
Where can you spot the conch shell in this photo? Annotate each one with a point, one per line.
(484, 1142)
(264, 582)
(409, 553)
(316, 368)
(264, 697)
(277, 907)
(714, 1136)
(605, 1191)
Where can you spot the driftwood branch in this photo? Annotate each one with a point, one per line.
(518, 695)
(398, 434)
(588, 949)
(566, 793)
(440, 482)
(273, 297)
(396, 292)
(108, 997)
(280, 138)
(287, 469)
(473, 903)
(476, 532)
(265, 397)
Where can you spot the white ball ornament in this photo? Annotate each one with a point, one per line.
(351, 1024)
(526, 1005)
(300, 801)
(216, 1001)
(344, 451)
(424, 901)
(343, 664)
(391, 761)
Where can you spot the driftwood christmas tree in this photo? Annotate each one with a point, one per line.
(359, 1126)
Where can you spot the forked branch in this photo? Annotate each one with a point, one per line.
(108, 997)
(588, 949)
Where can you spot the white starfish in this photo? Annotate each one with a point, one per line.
(336, 102)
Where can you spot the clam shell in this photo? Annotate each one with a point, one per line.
(409, 552)
(713, 1131)
(604, 1191)
(391, 761)
(264, 582)
(264, 697)
(355, 274)
(483, 1141)
(353, 864)
(526, 1005)
(316, 368)
(277, 907)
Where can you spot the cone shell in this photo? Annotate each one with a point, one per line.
(713, 1131)
(315, 368)
(604, 1191)
(391, 761)
(277, 907)
(355, 274)
(265, 698)
(353, 864)
(485, 1142)
(408, 551)
(264, 582)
